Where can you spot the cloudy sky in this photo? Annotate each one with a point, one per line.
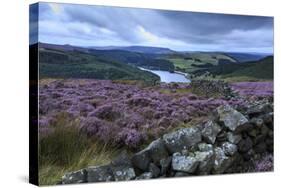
(84, 25)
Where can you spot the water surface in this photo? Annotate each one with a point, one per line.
(168, 77)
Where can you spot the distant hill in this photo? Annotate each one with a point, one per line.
(65, 47)
(55, 63)
(138, 49)
(146, 60)
(146, 49)
(245, 57)
(261, 69)
(122, 62)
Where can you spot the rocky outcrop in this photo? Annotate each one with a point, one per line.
(79, 176)
(217, 146)
(210, 131)
(214, 88)
(182, 139)
(183, 163)
(231, 119)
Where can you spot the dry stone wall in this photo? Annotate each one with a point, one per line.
(223, 144)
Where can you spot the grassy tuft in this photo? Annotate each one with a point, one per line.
(65, 149)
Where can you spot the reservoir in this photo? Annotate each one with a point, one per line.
(168, 77)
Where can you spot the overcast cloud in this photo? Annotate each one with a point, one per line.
(83, 25)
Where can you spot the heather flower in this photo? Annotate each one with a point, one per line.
(129, 137)
(264, 164)
(140, 101)
(129, 114)
(107, 112)
(253, 88)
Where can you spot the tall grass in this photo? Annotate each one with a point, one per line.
(65, 149)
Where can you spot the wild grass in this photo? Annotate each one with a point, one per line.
(47, 81)
(65, 149)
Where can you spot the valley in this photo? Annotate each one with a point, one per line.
(112, 101)
(132, 93)
(64, 61)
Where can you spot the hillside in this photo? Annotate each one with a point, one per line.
(262, 69)
(149, 60)
(75, 64)
(147, 49)
(245, 57)
(138, 49)
(252, 70)
(120, 62)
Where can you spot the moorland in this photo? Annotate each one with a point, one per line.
(95, 103)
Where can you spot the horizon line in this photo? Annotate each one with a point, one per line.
(181, 51)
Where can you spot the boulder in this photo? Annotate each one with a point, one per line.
(245, 145)
(248, 155)
(165, 165)
(184, 163)
(141, 160)
(229, 148)
(257, 122)
(268, 119)
(79, 176)
(210, 131)
(123, 159)
(270, 134)
(259, 138)
(181, 174)
(257, 110)
(253, 133)
(222, 136)
(206, 161)
(154, 170)
(99, 174)
(231, 119)
(264, 130)
(269, 144)
(247, 127)
(182, 139)
(205, 147)
(222, 162)
(123, 173)
(260, 148)
(157, 150)
(233, 138)
(143, 176)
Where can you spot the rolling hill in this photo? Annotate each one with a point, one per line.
(138, 49)
(252, 70)
(75, 64)
(146, 60)
(245, 57)
(261, 69)
(122, 62)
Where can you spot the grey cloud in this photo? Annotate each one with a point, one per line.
(120, 26)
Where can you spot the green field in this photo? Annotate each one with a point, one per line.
(191, 62)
